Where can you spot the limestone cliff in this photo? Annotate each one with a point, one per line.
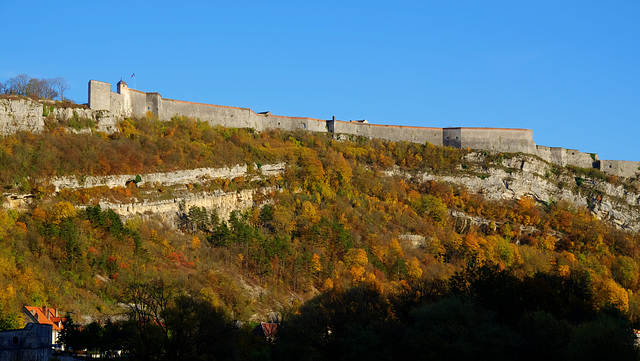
(23, 114)
(524, 175)
(510, 178)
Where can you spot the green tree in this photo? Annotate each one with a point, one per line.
(625, 271)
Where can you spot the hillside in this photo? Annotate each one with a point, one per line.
(257, 223)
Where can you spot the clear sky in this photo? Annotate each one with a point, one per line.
(569, 70)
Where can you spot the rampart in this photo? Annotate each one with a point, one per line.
(107, 107)
(620, 168)
(133, 103)
(564, 157)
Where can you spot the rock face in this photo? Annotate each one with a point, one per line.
(199, 175)
(20, 115)
(27, 115)
(169, 211)
(528, 176)
(519, 176)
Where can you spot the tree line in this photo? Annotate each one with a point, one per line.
(479, 313)
(24, 85)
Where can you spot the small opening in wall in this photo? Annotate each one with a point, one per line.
(304, 125)
(15, 340)
(148, 108)
(456, 138)
(609, 165)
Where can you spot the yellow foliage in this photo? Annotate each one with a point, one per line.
(328, 284)
(60, 211)
(548, 243)
(526, 203)
(285, 217)
(380, 252)
(210, 296)
(127, 128)
(153, 237)
(608, 292)
(166, 247)
(357, 274)
(564, 271)
(32, 287)
(316, 265)
(39, 215)
(240, 260)
(10, 292)
(338, 169)
(195, 243)
(517, 258)
(569, 256)
(356, 257)
(395, 249)
(310, 212)
(415, 271)
(371, 279)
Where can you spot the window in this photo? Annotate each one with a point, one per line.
(15, 340)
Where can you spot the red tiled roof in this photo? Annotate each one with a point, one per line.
(46, 316)
(270, 329)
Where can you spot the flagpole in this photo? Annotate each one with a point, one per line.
(134, 80)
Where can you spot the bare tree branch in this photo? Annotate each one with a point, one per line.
(19, 85)
(61, 85)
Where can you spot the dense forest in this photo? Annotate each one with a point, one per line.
(353, 254)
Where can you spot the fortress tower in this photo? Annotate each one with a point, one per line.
(99, 95)
(122, 87)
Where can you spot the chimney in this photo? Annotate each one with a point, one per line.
(44, 310)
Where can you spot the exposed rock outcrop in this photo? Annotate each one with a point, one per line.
(528, 176)
(169, 211)
(199, 175)
(24, 114)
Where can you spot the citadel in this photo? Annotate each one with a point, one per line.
(107, 108)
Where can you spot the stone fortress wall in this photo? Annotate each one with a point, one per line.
(33, 342)
(109, 107)
(128, 102)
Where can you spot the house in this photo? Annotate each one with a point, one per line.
(45, 316)
(267, 330)
(33, 342)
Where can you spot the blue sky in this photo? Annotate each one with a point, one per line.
(569, 70)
